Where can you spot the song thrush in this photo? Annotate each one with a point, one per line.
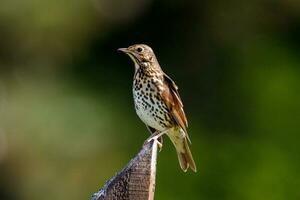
(157, 102)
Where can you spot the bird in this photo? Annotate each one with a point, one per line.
(158, 104)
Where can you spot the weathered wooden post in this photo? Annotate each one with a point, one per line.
(136, 181)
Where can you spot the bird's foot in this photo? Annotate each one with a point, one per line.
(160, 143)
(156, 138)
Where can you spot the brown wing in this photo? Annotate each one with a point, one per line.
(171, 97)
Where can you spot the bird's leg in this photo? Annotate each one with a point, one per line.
(151, 137)
(158, 137)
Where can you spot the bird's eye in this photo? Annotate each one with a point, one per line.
(139, 49)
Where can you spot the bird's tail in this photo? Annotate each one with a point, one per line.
(185, 158)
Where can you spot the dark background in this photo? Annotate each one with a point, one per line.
(67, 121)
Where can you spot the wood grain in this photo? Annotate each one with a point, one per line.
(136, 181)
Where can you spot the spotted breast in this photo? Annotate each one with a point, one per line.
(148, 104)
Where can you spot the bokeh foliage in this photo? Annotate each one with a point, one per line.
(67, 121)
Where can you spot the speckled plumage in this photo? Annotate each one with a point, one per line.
(157, 102)
(148, 103)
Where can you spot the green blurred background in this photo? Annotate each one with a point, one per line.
(67, 121)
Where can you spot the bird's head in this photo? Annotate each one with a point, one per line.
(141, 54)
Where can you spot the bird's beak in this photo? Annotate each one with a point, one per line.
(129, 53)
(125, 50)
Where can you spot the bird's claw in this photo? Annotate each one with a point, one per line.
(159, 146)
(158, 137)
(155, 138)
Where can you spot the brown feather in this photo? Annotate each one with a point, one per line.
(171, 97)
(182, 147)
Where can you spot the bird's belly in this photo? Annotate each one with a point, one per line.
(149, 120)
(149, 113)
